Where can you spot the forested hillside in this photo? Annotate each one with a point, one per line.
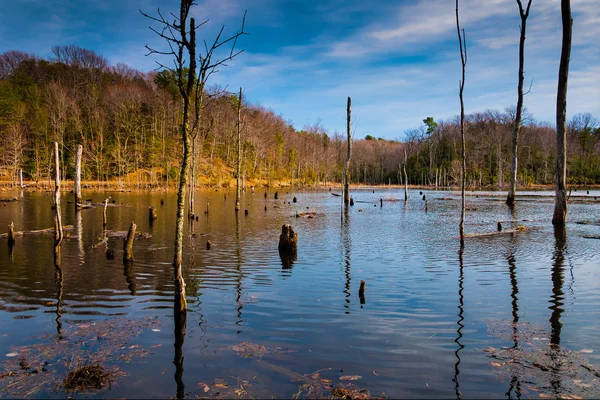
(127, 122)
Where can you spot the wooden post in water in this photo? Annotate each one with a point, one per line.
(128, 243)
(58, 231)
(11, 234)
(77, 183)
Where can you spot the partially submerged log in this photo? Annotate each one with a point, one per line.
(519, 229)
(8, 200)
(47, 231)
(288, 240)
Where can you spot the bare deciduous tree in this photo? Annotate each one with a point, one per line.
(463, 59)
(510, 200)
(192, 71)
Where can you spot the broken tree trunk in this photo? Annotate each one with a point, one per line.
(405, 178)
(104, 214)
(152, 214)
(239, 152)
(128, 243)
(11, 234)
(560, 199)
(58, 230)
(288, 240)
(347, 166)
(77, 183)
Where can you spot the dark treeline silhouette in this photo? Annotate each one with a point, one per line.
(127, 122)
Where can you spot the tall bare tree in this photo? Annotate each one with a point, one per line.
(560, 202)
(349, 154)
(510, 200)
(188, 66)
(462, 43)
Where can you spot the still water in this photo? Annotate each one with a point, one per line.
(430, 323)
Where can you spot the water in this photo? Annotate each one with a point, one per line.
(424, 330)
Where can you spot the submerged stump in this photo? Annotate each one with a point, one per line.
(288, 240)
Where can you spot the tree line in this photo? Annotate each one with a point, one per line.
(128, 121)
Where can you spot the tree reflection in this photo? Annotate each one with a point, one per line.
(461, 305)
(129, 276)
(515, 383)
(240, 274)
(288, 258)
(58, 281)
(179, 321)
(556, 300)
(346, 244)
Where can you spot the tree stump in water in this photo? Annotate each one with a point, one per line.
(152, 214)
(128, 243)
(11, 234)
(288, 240)
(294, 199)
(351, 201)
(276, 196)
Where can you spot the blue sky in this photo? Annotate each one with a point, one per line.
(398, 60)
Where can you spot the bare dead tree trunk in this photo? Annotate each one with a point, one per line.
(239, 152)
(21, 178)
(347, 167)
(405, 178)
(58, 230)
(77, 183)
(463, 59)
(128, 243)
(510, 200)
(560, 203)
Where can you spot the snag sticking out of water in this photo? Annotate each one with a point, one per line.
(288, 240)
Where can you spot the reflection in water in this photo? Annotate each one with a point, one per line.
(288, 257)
(515, 383)
(461, 305)
(129, 276)
(346, 243)
(179, 321)
(59, 280)
(79, 233)
(240, 274)
(560, 236)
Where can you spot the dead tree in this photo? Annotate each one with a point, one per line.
(560, 202)
(192, 71)
(462, 43)
(77, 183)
(239, 152)
(347, 166)
(405, 178)
(58, 229)
(510, 200)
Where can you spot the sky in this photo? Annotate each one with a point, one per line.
(398, 60)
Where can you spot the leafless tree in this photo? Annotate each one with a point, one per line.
(463, 59)
(181, 39)
(510, 200)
